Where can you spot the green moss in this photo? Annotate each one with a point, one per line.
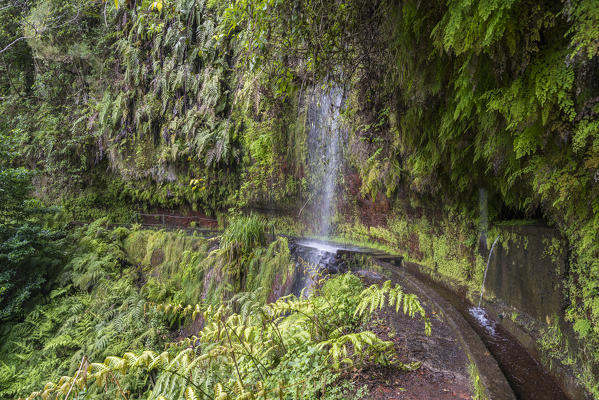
(477, 386)
(444, 250)
(181, 269)
(135, 246)
(173, 260)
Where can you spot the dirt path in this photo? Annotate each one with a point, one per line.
(444, 370)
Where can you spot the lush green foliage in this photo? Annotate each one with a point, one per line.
(290, 348)
(186, 269)
(123, 107)
(242, 236)
(108, 299)
(100, 303)
(516, 114)
(30, 251)
(93, 308)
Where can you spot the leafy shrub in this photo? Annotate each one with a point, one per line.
(94, 309)
(243, 235)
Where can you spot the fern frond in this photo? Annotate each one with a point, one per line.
(219, 392)
(190, 394)
(375, 298)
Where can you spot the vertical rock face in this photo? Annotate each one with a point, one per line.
(315, 259)
(526, 270)
(311, 261)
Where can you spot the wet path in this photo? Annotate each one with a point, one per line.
(526, 376)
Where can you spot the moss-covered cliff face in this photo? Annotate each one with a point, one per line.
(133, 104)
(183, 269)
(202, 104)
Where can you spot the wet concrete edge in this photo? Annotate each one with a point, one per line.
(567, 382)
(494, 381)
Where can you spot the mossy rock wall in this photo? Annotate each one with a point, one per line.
(446, 247)
(162, 251)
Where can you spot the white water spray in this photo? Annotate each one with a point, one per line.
(481, 317)
(477, 312)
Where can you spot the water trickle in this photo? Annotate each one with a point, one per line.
(481, 317)
(324, 134)
(482, 288)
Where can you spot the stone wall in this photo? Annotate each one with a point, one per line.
(526, 270)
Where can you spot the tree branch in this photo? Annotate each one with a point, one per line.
(15, 41)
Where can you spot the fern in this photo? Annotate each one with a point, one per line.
(364, 345)
(376, 298)
(235, 354)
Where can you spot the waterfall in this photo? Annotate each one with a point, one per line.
(324, 145)
(324, 137)
(486, 270)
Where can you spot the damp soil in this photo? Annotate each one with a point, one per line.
(443, 373)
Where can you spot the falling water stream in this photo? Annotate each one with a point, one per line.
(324, 123)
(324, 158)
(482, 288)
